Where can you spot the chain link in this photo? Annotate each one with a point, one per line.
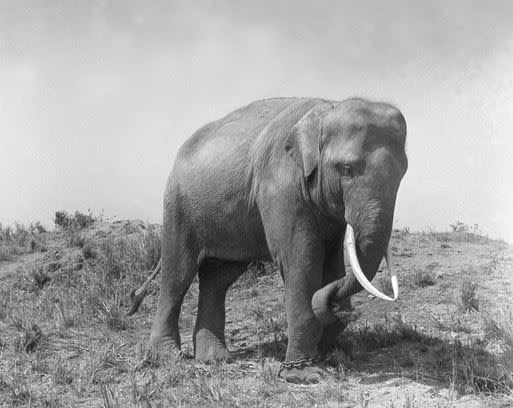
(301, 363)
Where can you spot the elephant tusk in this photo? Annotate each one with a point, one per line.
(357, 270)
(391, 271)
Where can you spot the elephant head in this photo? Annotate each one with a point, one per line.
(352, 155)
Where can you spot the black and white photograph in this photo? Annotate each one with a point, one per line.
(256, 203)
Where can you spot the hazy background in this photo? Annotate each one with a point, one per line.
(97, 96)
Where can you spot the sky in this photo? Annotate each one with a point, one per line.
(96, 97)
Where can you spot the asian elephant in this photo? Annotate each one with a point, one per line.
(282, 179)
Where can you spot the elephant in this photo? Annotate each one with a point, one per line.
(282, 180)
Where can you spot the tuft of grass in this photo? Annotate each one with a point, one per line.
(89, 251)
(61, 373)
(499, 327)
(39, 277)
(423, 278)
(29, 339)
(468, 296)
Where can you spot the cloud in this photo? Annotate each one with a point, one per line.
(98, 96)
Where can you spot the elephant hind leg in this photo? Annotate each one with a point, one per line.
(215, 277)
(180, 263)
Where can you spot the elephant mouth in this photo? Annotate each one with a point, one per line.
(360, 276)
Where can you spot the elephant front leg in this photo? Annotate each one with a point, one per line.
(304, 277)
(334, 269)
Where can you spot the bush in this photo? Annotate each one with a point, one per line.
(66, 221)
(62, 220)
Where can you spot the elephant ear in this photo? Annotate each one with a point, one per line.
(302, 143)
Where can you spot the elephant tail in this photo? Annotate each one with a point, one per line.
(138, 295)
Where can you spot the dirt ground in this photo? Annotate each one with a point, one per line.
(65, 340)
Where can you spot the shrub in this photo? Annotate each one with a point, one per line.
(62, 220)
(78, 221)
(468, 298)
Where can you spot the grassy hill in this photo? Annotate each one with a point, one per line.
(65, 339)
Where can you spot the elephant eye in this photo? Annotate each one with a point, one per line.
(346, 169)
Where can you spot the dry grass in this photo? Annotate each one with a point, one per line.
(19, 240)
(468, 296)
(65, 339)
(423, 278)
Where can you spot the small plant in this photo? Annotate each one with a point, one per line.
(39, 276)
(61, 374)
(500, 327)
(423, 278)
(89, 251)
(29, 339)
(468, 297)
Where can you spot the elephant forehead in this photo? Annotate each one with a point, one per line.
(357, 119)
(363, 113)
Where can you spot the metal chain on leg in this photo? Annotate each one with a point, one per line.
(300, 364)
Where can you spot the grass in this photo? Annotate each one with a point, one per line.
(454, 323)
(499, 327)
(20, 240)
(468, 296)
(470, 367)
(30, 338)
(424, 277)
(65, 339)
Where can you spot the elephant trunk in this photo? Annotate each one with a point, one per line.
(336, 291)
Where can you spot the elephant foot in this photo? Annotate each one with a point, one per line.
(209, 348)
(305, 375)
(162, 349)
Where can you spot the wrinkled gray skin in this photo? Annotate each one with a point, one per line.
(278, 180)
